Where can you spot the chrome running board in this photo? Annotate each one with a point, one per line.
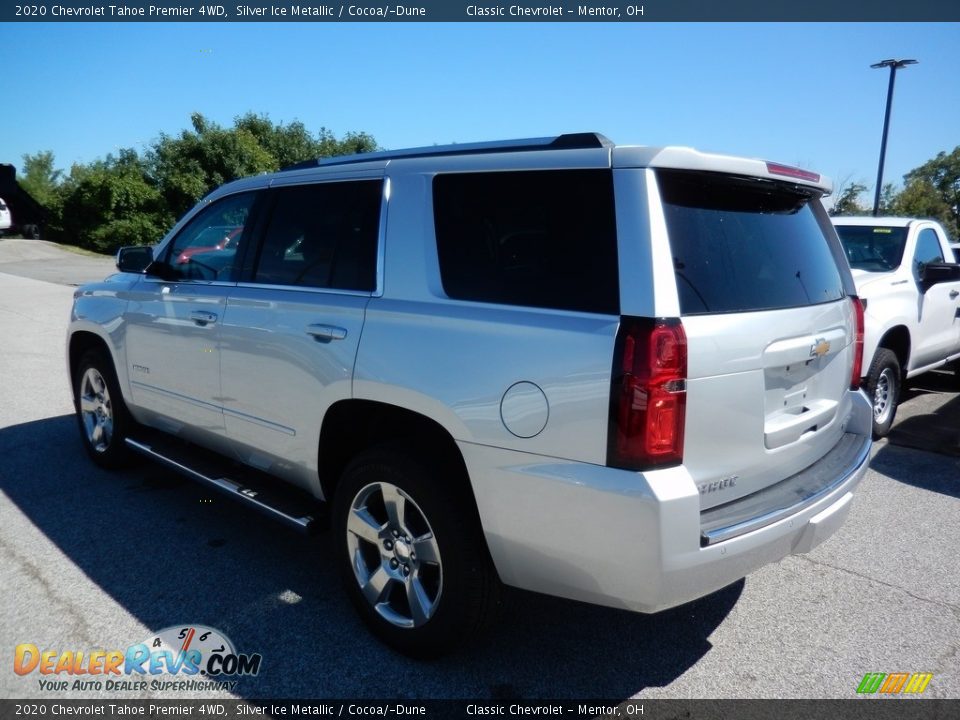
(272, 502)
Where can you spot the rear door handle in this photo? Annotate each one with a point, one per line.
(954, 293)
(202, 317)
(326, 333)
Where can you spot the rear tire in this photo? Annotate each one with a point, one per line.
(101, 413)
(411, 553)
(883, 387)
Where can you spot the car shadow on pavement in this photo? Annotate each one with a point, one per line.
(170, 552)
(937, 432)
(933, 382)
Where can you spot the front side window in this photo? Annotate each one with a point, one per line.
(928, 251)
(745, 244)
(874, 248)
(322, 235)
(535, 238)
(206, 249)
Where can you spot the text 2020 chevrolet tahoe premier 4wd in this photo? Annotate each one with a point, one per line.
(623, 375)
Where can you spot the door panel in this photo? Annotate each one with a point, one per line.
(291, 330)
(287, 356)
(938, 323)
(172, 351)
(939, 329)
(175, 315)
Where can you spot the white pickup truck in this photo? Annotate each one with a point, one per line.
(909, 282)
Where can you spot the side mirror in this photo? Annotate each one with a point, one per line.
(933, 273)
(134, 259)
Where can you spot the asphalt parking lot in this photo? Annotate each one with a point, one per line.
(97, 560)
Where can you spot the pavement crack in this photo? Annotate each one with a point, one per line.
(955, 609)
(50, 590)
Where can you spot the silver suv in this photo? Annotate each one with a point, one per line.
(623, 375)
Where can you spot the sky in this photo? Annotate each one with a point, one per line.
(802, 94)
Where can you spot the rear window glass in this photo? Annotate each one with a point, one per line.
(874, 248)
(745, 244)
(536, 238)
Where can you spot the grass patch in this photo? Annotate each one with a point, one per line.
(83, 251)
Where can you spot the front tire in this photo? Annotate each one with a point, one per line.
(883, 387)
(101, 413)
(411, 553)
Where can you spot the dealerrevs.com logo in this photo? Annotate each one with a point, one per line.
(182, 657)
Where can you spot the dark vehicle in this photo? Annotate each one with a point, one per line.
(26, 215)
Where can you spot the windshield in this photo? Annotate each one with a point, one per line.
(874, 248)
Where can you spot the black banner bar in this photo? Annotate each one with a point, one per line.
(482, 11)
(863, 708)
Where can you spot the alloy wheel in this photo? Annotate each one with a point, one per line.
(394, 555)
(96, 410)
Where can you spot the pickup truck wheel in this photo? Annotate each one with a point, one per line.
(102, 415)
(883, 387)
(413, 562)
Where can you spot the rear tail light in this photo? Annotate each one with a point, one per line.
(857, 371)
(648, 394)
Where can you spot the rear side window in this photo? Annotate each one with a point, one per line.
(874, 248)
(745, 244)
(323, 236)
(537, 238)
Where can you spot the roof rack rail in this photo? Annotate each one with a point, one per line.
(568, 141)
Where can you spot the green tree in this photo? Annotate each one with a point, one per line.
(132, 200)
(192, 164)
(189, 166)
(919, 198)
(848, 199)
(39, 177)
(111, 203)
(888, 200)
(933, 190)
(42, 181)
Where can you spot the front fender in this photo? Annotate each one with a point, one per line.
(99, 310)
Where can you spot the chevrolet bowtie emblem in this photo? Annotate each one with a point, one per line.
(820, 348)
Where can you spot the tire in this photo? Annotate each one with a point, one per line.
(31, 232)
(102, 416)
(883, 388)
(421, 606)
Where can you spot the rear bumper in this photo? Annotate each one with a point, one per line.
(789, 496)
(637, 540)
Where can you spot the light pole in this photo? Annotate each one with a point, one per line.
(894, 65)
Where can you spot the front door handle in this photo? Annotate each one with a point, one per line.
(202, 317)
(954, 293)
(326, 333)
